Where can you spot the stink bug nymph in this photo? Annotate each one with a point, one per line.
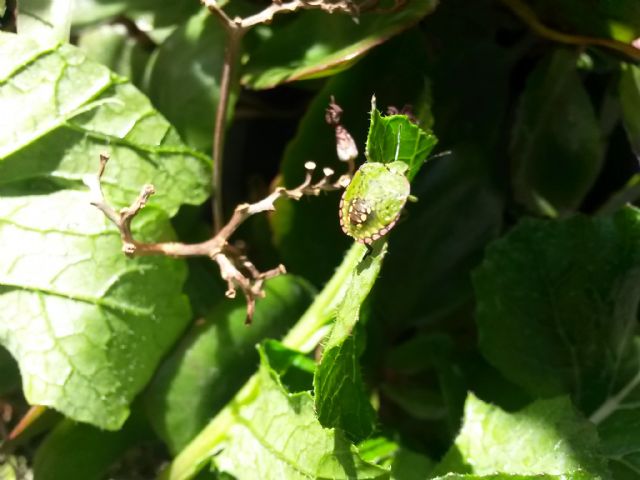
(371, 204)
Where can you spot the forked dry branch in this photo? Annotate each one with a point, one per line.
(235, 268)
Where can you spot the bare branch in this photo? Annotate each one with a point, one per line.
(235, 267)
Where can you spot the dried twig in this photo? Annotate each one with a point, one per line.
(235, 268)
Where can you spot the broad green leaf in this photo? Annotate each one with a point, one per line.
(573, 287)
(629, 91)
(557, 149)
(557, 305)
(410, 465)
(215, 358)
(77, 110)
(547, 437)
(341, 400)
(404, 464)
(86, 324)
(617, 419)
(394, 137)
(74, 451)
(303, 337)
(506, 476)
(113, 46)
(307, 233)
(3, 7)
(150, 13)
(184, 78)
(294, 368)
(275, 435)
(49, 19)
(324, 44)
(411, 361)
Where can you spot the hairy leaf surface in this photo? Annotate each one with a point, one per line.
(546, 438)
(77, 110)
(86, 324)
(276, 435)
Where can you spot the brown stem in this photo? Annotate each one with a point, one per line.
(528, 16)
(232, 49)
(235, 29)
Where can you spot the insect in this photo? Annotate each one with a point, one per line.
(371, 204)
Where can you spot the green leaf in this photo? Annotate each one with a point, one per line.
(276, 435)
(557, 149)
(77, 110)
(308, 233)
(618, 432)
(547, 437)
(410, 465)
(49, 19)
(629, 91)
(113, 46)
(340, 397)
(86, 324)
(58, 456)
(573, 287)
(295, 369)
(9, 374)
(215, 358)
(187, 91)
(154, 14)
(506, 476)
(396, 138)
(324, 44)
(303, 337)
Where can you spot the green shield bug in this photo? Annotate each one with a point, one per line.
(373, 200)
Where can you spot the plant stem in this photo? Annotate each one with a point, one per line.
(527, 15)
(232, 49)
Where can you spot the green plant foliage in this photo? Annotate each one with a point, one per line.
(100, 449)
(546, 438)
(215, 358)
(112, 46)
(395, 138)
(630, 103)
(87, 325)
(505, 268)
(504, 476)
(327, 46)
(556, 150)
(79, 109)
(188, 96)
(45, 19)
(276, 435)
(582, 274)
(340, 397)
